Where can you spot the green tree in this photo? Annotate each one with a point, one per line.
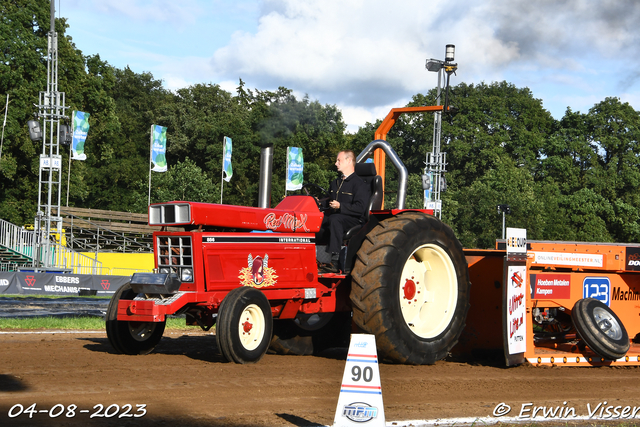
(183, 181)
(118, 157)
(23, 46)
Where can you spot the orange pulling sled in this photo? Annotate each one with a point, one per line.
(582, 304)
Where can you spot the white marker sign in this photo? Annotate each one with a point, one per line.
(360, 401)
(47, 162)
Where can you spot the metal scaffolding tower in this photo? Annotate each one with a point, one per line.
(51, 109)
(433, 179)
(436, 162)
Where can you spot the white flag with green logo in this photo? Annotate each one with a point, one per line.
(80, 123)
(226, 159)
(295, 166)
(159, 149)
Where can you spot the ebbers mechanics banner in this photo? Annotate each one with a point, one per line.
(58, 284)
(80, 123)
(159, 148)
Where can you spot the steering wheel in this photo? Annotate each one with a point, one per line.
(316, 189)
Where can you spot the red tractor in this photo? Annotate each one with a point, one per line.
(252, 272)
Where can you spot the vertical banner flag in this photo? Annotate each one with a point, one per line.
(159, 148)
(227, 169)
(295, 165)
(80, 123)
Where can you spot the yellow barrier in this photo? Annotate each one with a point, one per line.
(122, 264)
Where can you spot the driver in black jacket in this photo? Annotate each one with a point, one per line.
(348, 200)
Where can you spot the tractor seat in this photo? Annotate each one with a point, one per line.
(367, 172)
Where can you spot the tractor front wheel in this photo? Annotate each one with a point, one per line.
(244, 325)
(410, 288)
(130, 337)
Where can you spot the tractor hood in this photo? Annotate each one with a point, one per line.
(298, 214)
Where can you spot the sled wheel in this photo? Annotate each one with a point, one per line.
(130, 337)
(244, 325)
(410, 287)
(600, 328)
(311, 334)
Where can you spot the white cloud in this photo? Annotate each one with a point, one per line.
(334, 47)
(367, 56)
(356, 117)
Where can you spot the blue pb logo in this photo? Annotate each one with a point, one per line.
(598, 288)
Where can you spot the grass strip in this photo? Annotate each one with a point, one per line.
(84, 322)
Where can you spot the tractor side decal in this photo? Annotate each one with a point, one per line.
(286, 221)
(258, 274)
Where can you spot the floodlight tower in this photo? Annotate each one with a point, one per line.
(433, 181)
(51, 109)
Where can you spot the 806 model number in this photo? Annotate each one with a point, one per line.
(70, 411)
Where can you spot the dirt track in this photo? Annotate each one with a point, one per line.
(186, 383)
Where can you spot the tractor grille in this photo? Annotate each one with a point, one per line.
(175, 256)
(171, 213)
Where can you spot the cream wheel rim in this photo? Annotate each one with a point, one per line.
(251, 327)
(428, 291)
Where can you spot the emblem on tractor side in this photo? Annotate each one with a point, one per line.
(258, 274)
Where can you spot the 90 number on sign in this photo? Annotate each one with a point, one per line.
(358, 373)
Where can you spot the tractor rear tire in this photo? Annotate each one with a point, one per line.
(308, 335)
(600, 328)
(410, 288)
(130, 337)
(244, 325)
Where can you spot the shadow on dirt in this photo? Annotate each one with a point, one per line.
(198, 348)
(202, 348)
(488, 358)
(11, 383)
(298, 421)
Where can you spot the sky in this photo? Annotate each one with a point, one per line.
(368, 56)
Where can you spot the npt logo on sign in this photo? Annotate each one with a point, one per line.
(360, 412)
(598, 288)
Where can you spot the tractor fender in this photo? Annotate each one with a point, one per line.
(374, 219)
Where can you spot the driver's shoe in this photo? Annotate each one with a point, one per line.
(329, 268)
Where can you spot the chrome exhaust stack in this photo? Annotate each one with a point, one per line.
(266, 171)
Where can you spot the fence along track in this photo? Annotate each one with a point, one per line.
(22, 243)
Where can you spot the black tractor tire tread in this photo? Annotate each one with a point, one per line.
(222, 341)
(118, 333)
(291, 339)
(372, 293)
